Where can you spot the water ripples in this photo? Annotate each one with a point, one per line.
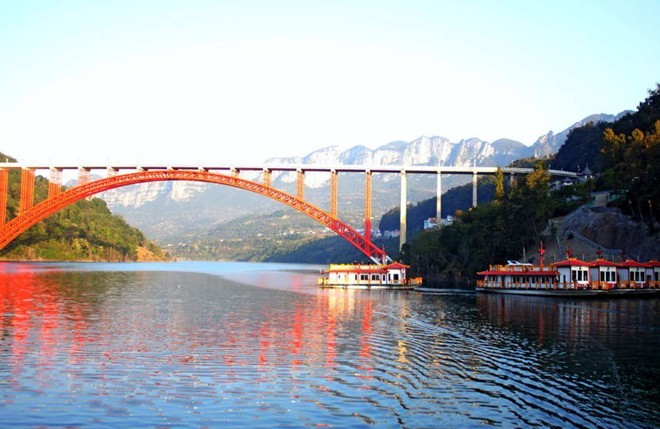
(190, 350)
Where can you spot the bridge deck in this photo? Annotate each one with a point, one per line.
(410, 169)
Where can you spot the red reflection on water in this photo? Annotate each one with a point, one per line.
(35, 321)
(45, 318)
(365, 339)
(297, 336)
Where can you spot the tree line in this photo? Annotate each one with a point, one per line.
(625, 157)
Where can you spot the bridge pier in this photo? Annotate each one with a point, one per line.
(403, 210)
(300, 183)
(27, 190)
(83, 175)
(4, 192)
(474, 189)
(55, 182)
(367, 204)
(333, 192)
(438, 198)
(266, 177)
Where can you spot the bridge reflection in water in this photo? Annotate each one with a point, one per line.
(116, 344)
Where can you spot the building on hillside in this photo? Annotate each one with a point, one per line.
(585, 174)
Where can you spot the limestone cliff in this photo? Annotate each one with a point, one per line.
(588, 230)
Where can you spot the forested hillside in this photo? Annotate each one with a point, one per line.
(85, 231)
(625, 157)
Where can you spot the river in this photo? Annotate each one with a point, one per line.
(199, 344)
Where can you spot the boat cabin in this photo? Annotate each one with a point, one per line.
(573, 273)
(603, 274)
(517, 275)
(653, 273)
(367, 276)
(632, 274)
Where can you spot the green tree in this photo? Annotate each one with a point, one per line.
(634, 169)
(499, 185)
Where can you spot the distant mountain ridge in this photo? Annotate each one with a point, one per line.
(437, 150)
(168, 210)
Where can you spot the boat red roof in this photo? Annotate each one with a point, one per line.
(604, 263)
(653, 263)
(572, 262)
(635, 264)
(396, 265)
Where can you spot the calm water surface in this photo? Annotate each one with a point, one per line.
(258, 345)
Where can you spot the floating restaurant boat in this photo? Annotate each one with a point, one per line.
(368, 276)
(573, 277)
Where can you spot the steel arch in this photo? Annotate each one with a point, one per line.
(12, 229)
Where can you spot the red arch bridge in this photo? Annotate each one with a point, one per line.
(30, 213)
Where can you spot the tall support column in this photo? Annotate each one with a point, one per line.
(403, 210)
(4, 193)
(266, 177)
(474, 189)
(334, 182)
(27, 190)
(55, 182)
(512, 180)
(300, 183)
(83, 175)
(367, 204)
(438, 200)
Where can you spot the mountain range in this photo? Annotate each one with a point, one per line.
(172, 212)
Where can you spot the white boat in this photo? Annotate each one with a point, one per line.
(368, 276)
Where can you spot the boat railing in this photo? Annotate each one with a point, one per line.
(497, 284)
(632, 284)
(598, 285)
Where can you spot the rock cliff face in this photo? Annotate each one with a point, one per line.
(422, 151)
(550, 143)
(138, 195)
(588, 230)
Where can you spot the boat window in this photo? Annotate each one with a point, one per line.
(579, 275)
(607, 276)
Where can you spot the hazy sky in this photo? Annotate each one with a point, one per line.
(218, 82)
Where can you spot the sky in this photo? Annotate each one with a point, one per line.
(231, 82)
